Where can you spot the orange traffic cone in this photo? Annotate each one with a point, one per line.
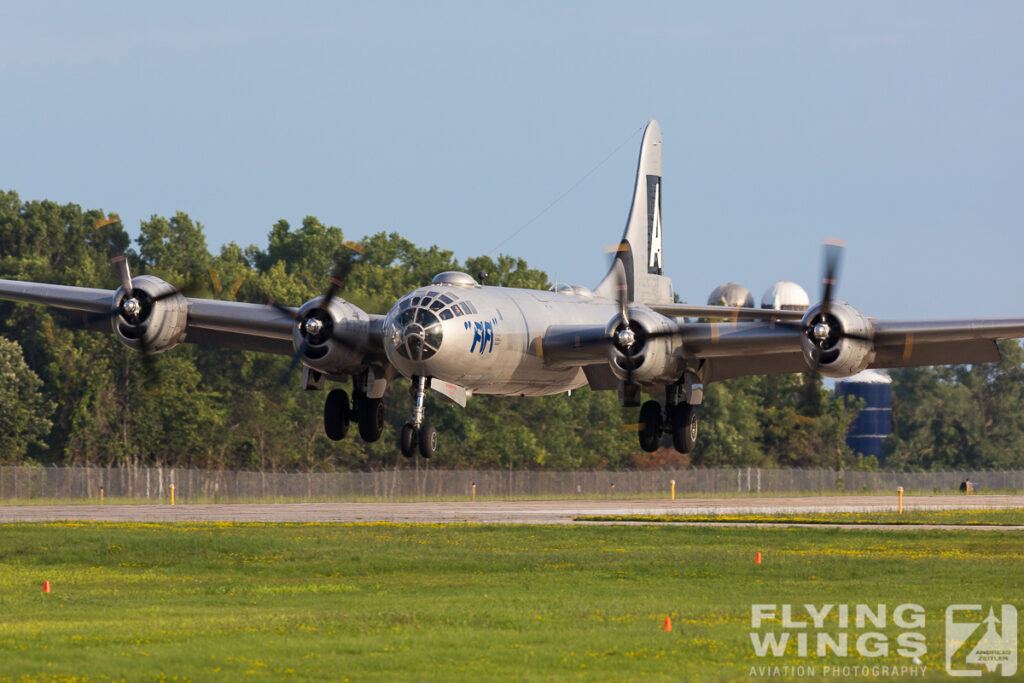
(668, 624)
(757, 557)
(46, 586)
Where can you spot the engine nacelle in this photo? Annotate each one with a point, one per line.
(153, 318)
(838, 344)
(649, 361)
(335, 337)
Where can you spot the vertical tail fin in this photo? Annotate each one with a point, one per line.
(638, 261)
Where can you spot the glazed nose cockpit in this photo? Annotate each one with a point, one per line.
(414, 325)
(416, 332)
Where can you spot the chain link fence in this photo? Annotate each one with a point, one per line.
(154, 483)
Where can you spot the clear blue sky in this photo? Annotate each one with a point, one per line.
(895, 126)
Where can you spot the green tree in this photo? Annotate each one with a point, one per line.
(24, 411)
(174, 249)
(508, 271)
(963, 416)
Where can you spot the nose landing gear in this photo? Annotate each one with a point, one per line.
(416, 433)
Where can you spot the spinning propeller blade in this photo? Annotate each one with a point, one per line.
(120, 263)
(833, 257)
(342, 269)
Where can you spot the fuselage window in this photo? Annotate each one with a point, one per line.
(437, 305)
(446, 314)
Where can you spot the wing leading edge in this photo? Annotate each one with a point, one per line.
(717, 351)
(228, 324)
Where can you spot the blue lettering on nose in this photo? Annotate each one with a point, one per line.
(478, 337)
(488, 338)
(483, 334)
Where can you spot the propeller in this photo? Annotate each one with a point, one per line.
(824, 330)
(318, 325)
(833, 257)
(134, 306)
(218, 287)
(628, 337)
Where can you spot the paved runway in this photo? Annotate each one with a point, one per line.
(487, 512)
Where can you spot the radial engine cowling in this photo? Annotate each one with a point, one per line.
(837, 344)
(153, 319)
(644, 360)
(335, 337)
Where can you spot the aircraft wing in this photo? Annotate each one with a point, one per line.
(738, 349)
(228, 324)
(723, 312)
(904, 343)
(734, 349)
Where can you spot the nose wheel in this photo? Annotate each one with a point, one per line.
(416, 433)
(422, 439)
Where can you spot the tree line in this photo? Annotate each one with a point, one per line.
(69, 395)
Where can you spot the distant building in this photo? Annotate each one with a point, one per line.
(874, 422)
(786, 296)
(731, 294)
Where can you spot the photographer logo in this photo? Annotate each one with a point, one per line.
(977, 644)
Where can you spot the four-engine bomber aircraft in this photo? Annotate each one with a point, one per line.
(459, 337)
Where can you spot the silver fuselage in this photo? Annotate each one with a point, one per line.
(489, 336)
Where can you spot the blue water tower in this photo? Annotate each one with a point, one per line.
(874, 422)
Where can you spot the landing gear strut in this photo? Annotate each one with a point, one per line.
(417, 434)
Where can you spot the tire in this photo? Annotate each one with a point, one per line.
(371, 419)
(336, 415)
(650, 426)
(407, 440)
(684, 427)
(427, 440)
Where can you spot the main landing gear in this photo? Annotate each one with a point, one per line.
(416, 433)
(367, 412)
(678, 419)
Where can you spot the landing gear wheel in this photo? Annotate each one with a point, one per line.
(684, 427)
(427, 440)
(371, 418)
(336, 415)
(407, 440)
(650, 426)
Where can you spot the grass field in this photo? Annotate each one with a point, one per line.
(455, 602)
(979, 517)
